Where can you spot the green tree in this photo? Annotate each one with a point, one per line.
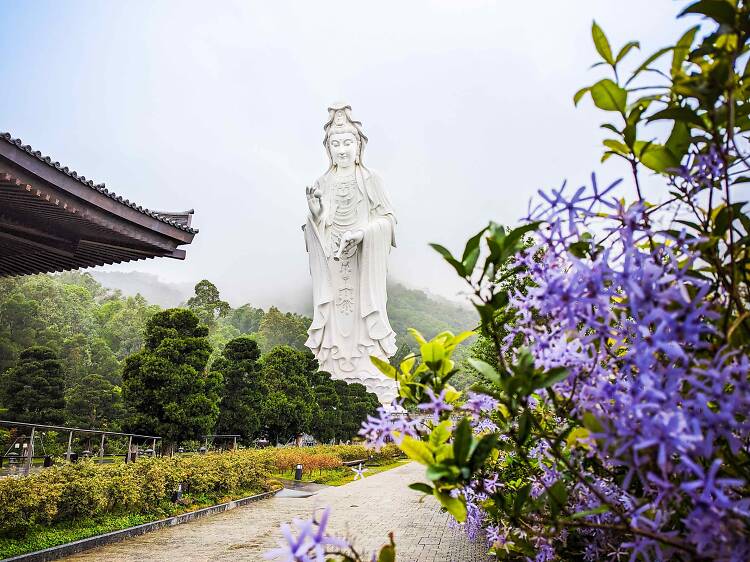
(280, 328)
(166, 387)
(356, 404)
(33, 390)
(246, 318)
(243, 389)
(326, 424)
(289, 406)
(207, 304)
(94, 403)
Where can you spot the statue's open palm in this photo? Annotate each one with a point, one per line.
(314, 201)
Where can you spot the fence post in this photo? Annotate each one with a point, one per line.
(130, 444)
(101, 448)
(30, 457)
(153, 447)
(69, 452)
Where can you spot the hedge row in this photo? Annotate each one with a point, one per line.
(84, 489)
(327, 456)
(74, 491)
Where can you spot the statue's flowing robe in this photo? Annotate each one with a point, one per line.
(343, 348)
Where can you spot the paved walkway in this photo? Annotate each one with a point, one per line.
(365, 511)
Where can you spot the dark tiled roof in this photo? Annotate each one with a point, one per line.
(178, 220)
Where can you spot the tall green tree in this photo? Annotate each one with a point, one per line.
(166, 387)
(94, 403)
(242, 391)
(246, 318)
(356, 404)
(206, 304)
(284, 328)
(289, 406)
(33, 390)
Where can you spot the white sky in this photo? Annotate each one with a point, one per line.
(220, 105)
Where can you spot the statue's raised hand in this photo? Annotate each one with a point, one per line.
(314, 201)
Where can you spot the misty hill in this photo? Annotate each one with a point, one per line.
(407, 307)
(149, 286)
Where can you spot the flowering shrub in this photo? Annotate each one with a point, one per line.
(612, 422)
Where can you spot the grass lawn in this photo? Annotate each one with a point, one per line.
(341, 475)
(40, 536)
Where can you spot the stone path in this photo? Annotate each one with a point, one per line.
(365, 511)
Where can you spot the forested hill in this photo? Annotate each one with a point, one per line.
(407, 307)
(92, 328)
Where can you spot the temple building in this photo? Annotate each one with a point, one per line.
(53, 219)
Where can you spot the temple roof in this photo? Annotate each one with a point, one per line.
(54, 219)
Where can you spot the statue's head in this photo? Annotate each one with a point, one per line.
(344, 139)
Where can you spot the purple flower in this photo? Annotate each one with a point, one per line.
(436, 405)
(309, 545)
(478, 404)
(388, 426)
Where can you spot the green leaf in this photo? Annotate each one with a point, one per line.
(587, 512)
(720, 11)
(682, 113)
(417, 450)
(656, 157)
(524, 427)
(408, 363)
(645, 64)
(678, 142)
(471, 251)
(579, 94)
(626, 49)
(455, 506)
(601, 43)
(437, 472)
(440, 433)
(609, 96)
(616, 146)
(522, 495)
(462, 441)
(482, 451)
(558, 497)
(432, 351)
(418, 337)
(485, 369)
(387, 554)
(591, 423)
(682, 49)
(457, 265)
(384, 367)
(462, 336)
(421, 487)
(554, 376)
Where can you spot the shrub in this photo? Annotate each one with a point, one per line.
(85, 489)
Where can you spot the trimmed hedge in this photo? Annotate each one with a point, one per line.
(70, 492)
(75, 491)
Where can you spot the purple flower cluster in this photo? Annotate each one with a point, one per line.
(309, 545)
(633, 327)
(391, 425)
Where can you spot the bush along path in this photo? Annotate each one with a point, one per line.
(364, 510)
(75, 501)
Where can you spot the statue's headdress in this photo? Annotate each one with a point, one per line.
(340, 121)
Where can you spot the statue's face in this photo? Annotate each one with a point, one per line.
(343, 147)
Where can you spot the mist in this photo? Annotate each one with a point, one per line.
(220, 106)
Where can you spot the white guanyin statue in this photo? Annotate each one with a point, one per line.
(349, 233)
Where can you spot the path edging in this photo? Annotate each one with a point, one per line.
(59, 551)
